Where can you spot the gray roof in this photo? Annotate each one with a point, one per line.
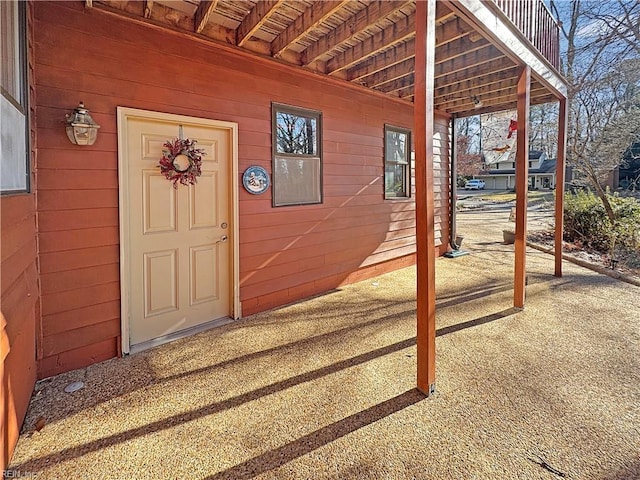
(548, 166)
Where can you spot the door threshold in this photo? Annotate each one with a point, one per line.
(187, 332)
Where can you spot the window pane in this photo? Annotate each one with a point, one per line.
(13, 108)
(13, 174)
(397, 156)
(296, 181)
(396, 150)
(395, 180)
(296, 134)
(10, 79)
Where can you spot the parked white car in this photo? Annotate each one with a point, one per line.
(474, 185)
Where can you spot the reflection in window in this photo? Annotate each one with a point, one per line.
(397, 162)
(296, 134)
(13, 104)
(297, 163)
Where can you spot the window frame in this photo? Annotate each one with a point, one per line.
(21, 106)
(303, 112)
(408, 166)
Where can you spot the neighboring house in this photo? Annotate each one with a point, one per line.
(326, 103)
(502, 175)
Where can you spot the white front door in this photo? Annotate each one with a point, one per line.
(177, 243)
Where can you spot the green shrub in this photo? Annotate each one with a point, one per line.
(586, 222)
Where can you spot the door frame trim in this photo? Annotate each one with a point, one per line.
(123, 115)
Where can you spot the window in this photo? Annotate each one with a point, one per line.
(297, 156)
(14, 173)
(397, 162)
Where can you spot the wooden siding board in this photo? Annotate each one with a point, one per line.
(80, 337)
(78, 278)
(81, 317)
(78, 239)
(80, 258)
(52, 221)
(81, 297)
(78, 358)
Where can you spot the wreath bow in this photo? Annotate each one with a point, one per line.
(173, 149)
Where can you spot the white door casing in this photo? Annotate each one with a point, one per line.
(179, 247)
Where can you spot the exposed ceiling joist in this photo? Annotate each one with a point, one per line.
(148, 8)
(384, 60)
(479, 57)
(499, 96)
(259, 14)
(310, 18)
(486, 88)
(407, 50)
(399, 70)
(468, 85)
(397, 84)
(203, 12)
(396, 33)
(458, 48)
(475, 72)
(360, 21)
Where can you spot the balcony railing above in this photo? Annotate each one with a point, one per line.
(535, 21)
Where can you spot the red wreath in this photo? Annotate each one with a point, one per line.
(168, 168)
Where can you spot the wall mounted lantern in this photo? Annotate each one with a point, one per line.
(81, 129)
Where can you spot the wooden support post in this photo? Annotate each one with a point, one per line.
(522, 183)
(560, 172)
(425, 230)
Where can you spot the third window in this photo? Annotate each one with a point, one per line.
(397, 162)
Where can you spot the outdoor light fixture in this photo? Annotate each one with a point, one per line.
(81, 129)
(477, 103)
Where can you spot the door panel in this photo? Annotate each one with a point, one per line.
(179, 255)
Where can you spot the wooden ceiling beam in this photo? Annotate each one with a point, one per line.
(317, 13)
(458, 48)
(503, 106)
(406, 50)
(203, 12)
(397, 84)
(473, 82)
(488, 100)
(475, 71)
(450, 31)
(479, 90)
(256, 18)
(148, 8)
(393, 34)
(362, 20)
(460, 64)
(445, 33)
(399, 70)
(384, 60)
(486, 54)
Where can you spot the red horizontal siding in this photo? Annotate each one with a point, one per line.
(19, 295)
(286, 253)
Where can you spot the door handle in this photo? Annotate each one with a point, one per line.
(223, 239)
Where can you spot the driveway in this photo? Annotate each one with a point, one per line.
(324, 389)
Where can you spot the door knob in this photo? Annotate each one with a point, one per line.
(223, 239)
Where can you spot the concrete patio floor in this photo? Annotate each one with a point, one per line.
(326, 388)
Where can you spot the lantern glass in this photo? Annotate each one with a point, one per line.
(81, 128)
